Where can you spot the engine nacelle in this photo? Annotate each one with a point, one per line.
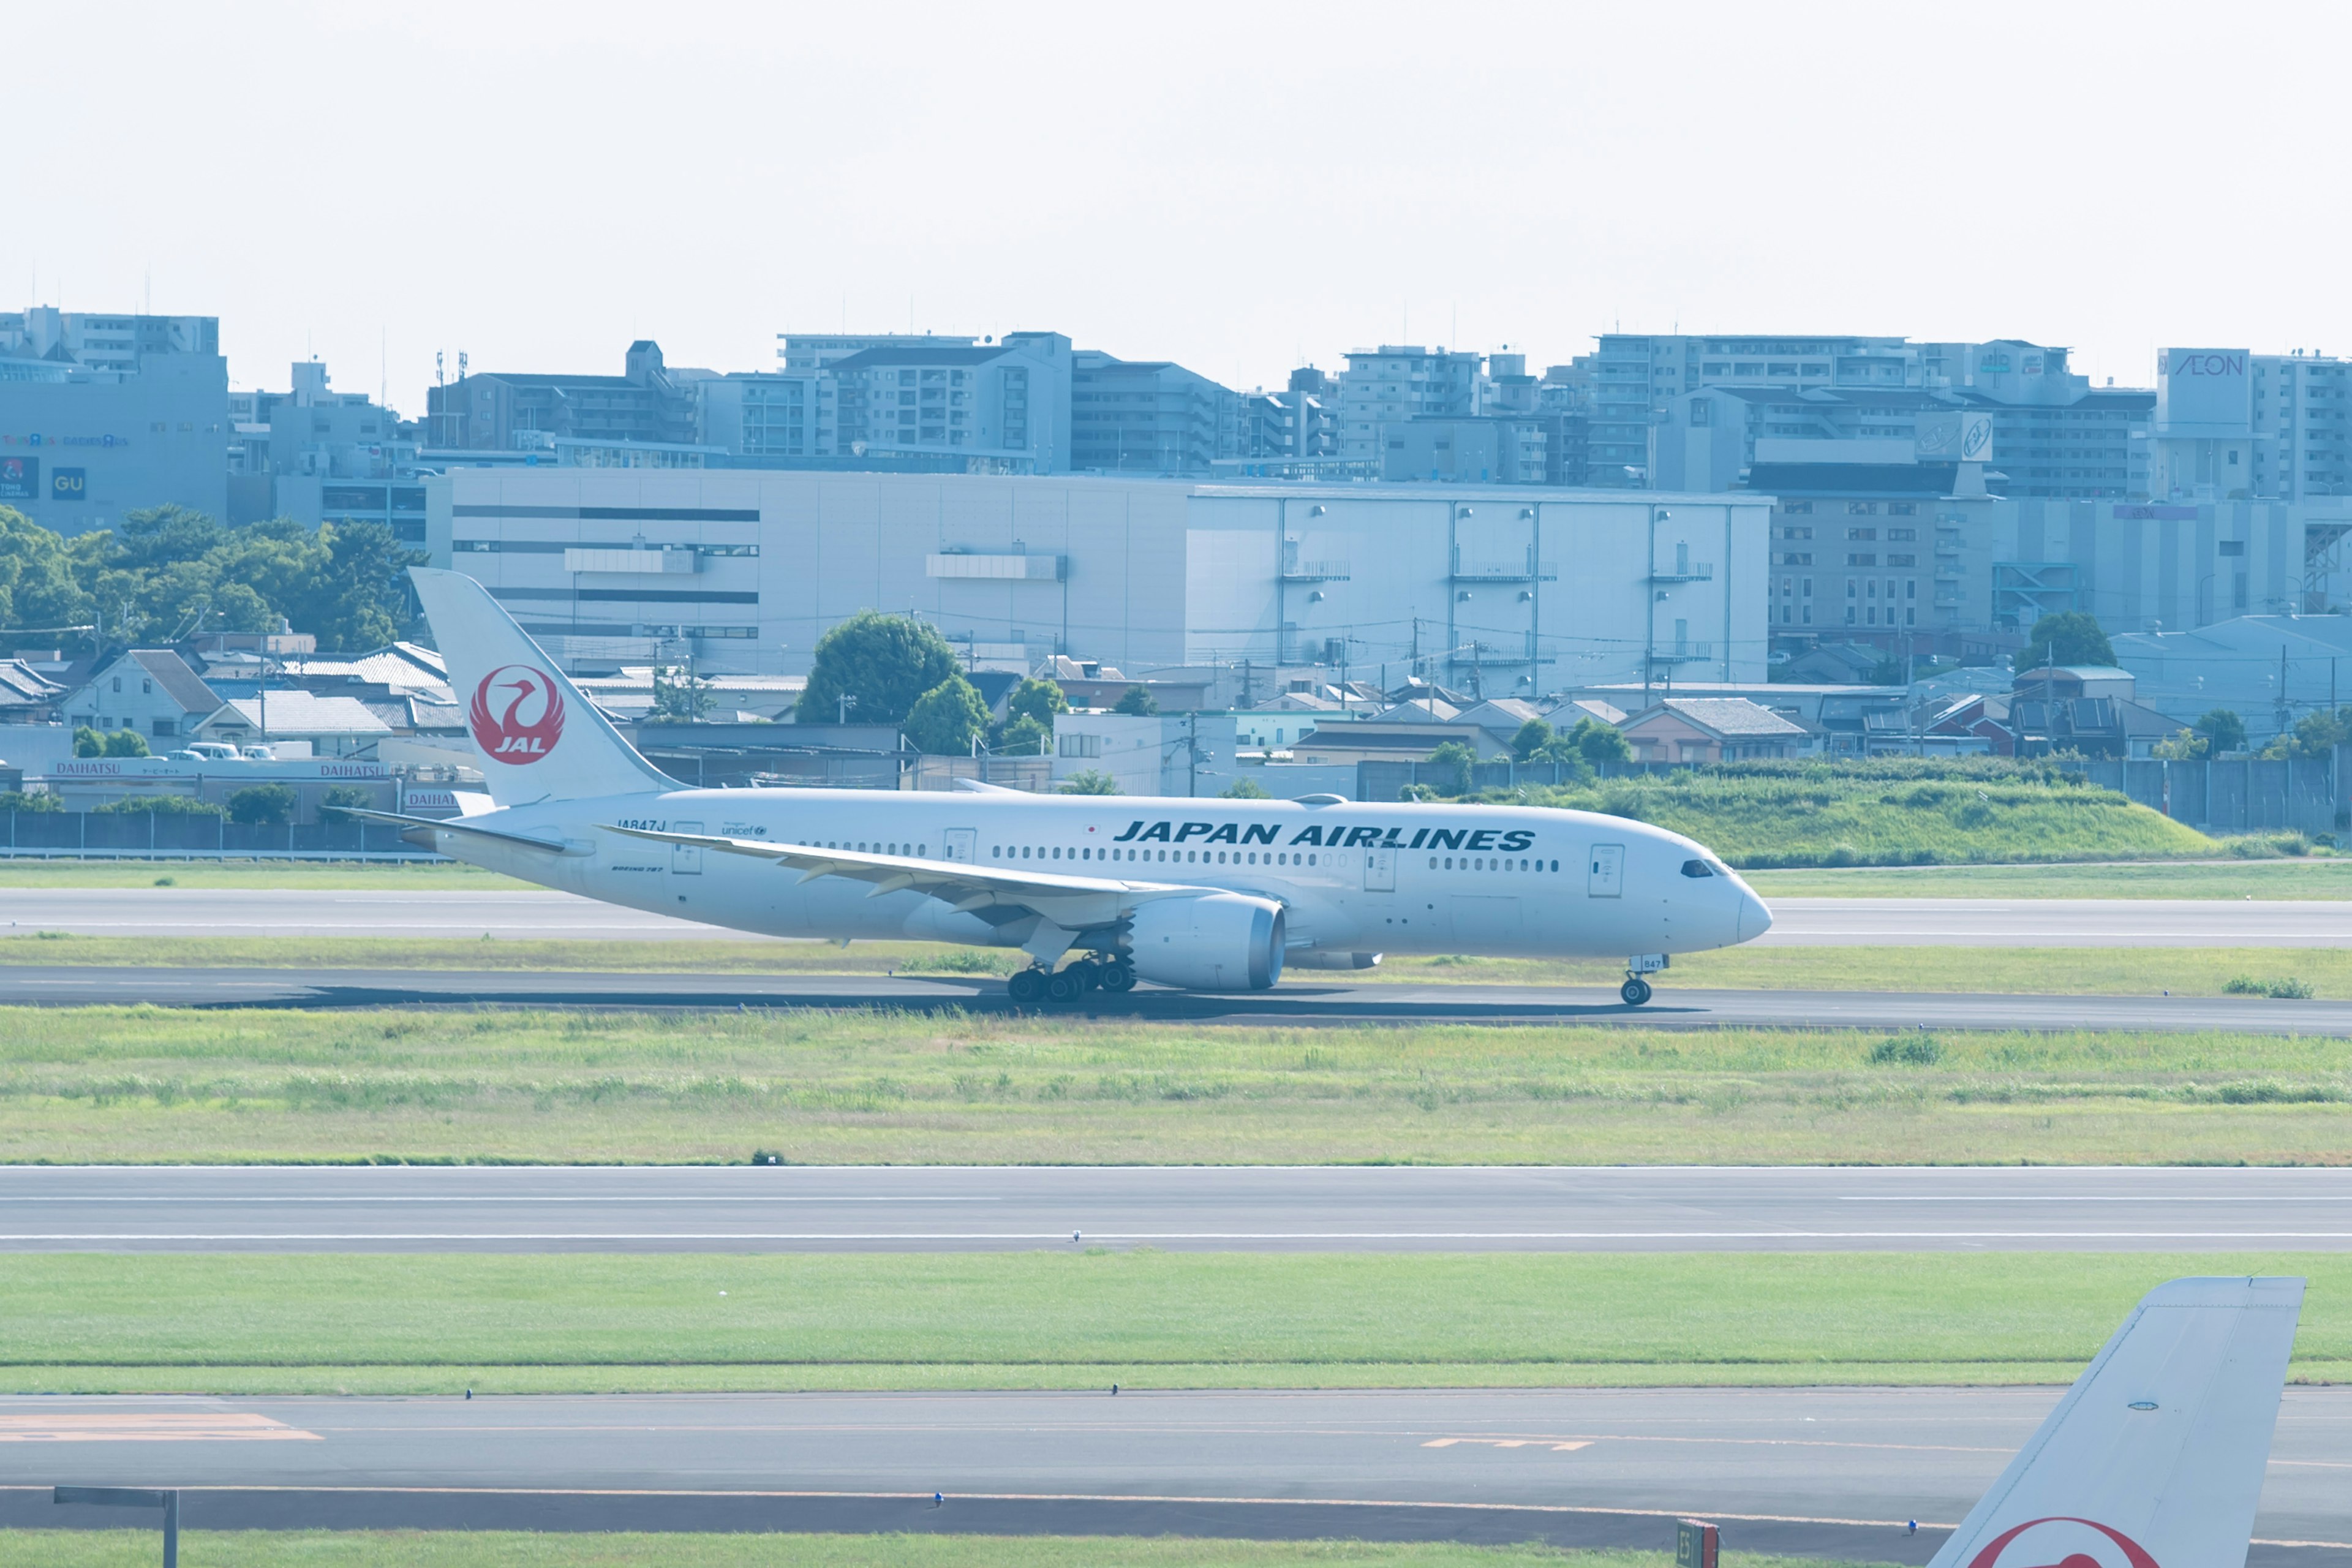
(1218, 942)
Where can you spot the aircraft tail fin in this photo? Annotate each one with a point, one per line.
(538, 738)
(2154, 1457)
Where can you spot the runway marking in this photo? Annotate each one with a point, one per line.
(149, 1426)
(524, 1198)
(1511, 1442)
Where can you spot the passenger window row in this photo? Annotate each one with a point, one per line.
(1488, 863)
(1183, 857)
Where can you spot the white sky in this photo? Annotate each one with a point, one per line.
(1241, 187)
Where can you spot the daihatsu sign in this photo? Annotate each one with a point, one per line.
(2204, 392)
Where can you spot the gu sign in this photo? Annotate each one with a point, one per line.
(2204, 392)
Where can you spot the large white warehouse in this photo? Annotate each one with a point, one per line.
(1504, 589)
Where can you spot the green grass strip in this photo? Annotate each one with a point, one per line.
(961, 1320)
(149, 1084)
(506, 1549)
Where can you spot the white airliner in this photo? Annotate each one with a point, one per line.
(2155, 1458)
(1214, 895)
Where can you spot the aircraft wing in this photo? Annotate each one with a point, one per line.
(1073, 903)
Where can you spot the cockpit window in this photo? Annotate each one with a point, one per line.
(1698, 868)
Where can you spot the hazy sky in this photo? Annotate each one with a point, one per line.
(1239, 187)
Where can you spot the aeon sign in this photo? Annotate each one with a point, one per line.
(2060, 1543)
(516, 714)
(2203, 362)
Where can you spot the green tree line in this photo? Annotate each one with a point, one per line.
(168, 572)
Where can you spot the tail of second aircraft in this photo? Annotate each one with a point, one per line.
(539, 739)
(2154, 1457)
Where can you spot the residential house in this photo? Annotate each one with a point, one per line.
(150, 690)
(26, 696)
(328, 726)
(1713, 729)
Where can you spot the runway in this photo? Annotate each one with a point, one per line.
(1193, 1208)
(1844, 1467)
(1295, 1002)
(521, 915)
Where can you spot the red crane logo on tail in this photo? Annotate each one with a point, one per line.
(2135, 1555)
(516, 714)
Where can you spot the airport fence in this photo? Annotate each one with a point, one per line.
(161, 836)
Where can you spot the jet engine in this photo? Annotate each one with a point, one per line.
(1218, 942)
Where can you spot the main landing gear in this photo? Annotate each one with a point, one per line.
(1635, 991)
(1063, 987)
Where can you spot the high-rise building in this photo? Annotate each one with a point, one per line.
(1397, 382)
(1149, 417)
(316, 454)
(1004, 405)
(499, 411)
(102, 414)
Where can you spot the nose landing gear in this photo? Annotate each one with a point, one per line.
(1636, 990)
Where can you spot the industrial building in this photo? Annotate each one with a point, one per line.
(1492, 590)
(101, 414)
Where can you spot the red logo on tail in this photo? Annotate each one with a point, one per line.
(525, 718)
(2134, 1554)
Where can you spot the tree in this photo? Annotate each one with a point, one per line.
(2224, 729)
(1453, 761)
(1244, 789)
(1088, 781)
(162, 805)
(2314, 736)
(269, 803)
(1039, 699)
(126, 743)
(38, 591)
(88, 742)
(886, 662)
(336, 805)
(1597, 743)
(1023, 737)
(679, 699)
(2181, 746)
(945, 720)
(1137, 703)
(1531, 739)
(2070, 637)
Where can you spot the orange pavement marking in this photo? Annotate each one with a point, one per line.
(148, 1427)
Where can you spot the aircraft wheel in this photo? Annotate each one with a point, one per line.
(1027, 987)
(1063, 987)
(1118, 977)
(1635, 991)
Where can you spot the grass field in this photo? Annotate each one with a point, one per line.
(321, 876)
(1890, 813)
(2312, 877)
(142, 1085)
(1089, 1318)
(2112, 971)
(497, 1549)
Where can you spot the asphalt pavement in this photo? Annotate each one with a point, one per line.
(520, 915)
(1840, 1470)
(1295, 1002)
(1218, 1208)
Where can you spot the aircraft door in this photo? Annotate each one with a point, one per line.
(961, 844)
(1380, 871)
(1608, 871)
(686, 859)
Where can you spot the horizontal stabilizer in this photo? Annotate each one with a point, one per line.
(2154, 1457)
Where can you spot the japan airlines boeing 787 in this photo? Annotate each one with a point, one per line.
(1214, 895)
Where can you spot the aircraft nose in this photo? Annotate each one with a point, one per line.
(1755, 915)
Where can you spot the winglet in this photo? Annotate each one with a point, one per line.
(2154, 1457)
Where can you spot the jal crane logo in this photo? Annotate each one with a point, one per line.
(2052, 1537)
(516, 714)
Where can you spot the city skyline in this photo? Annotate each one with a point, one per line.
(532, 191)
